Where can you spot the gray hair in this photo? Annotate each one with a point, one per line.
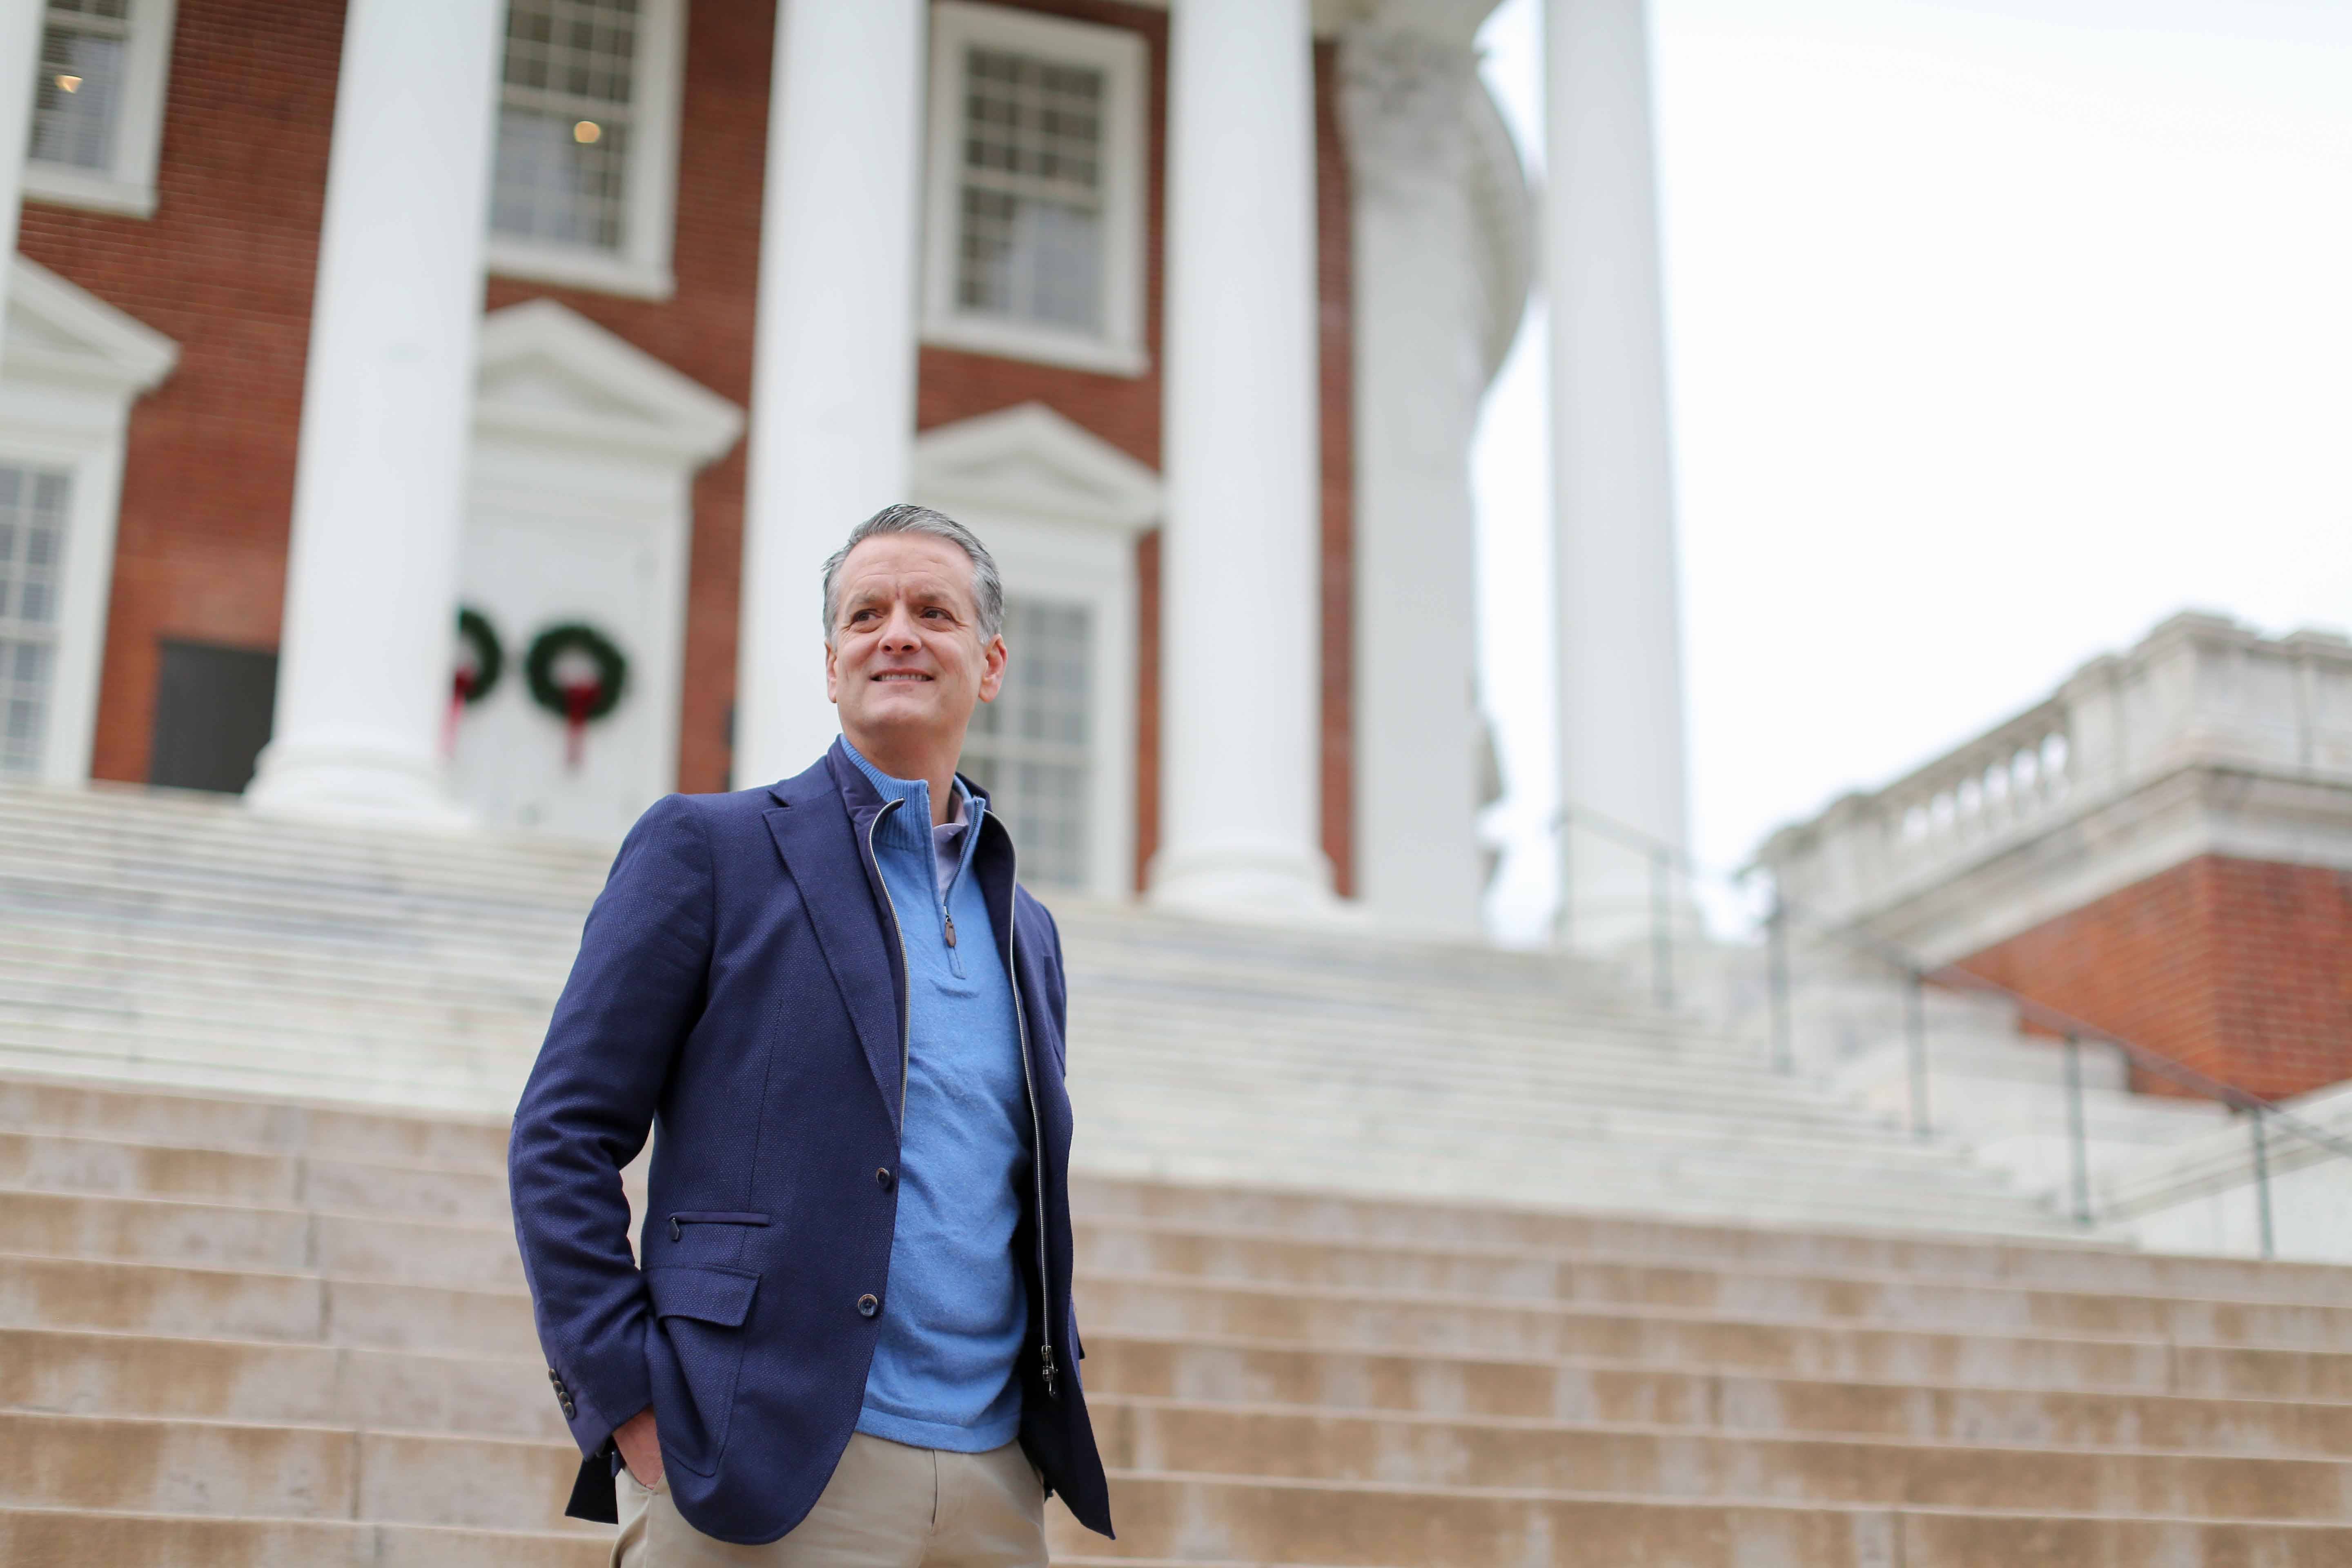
(987, 586)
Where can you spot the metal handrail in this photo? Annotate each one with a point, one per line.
(1664, 855)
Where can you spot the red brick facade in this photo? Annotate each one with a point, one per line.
(2243, 969)
(226, 265)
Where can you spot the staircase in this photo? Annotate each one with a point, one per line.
(175, 939)
(1390, 1256)
(242, 1331)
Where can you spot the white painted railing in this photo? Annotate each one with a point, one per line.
(2199, 693)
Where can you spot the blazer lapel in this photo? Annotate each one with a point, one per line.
(818, 843)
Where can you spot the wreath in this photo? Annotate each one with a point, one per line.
(475, 680)
(576, 674)
(481, 659)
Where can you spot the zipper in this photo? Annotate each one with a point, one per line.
(905, 1003)
(1036, 1131)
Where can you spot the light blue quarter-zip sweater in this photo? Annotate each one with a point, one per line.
(954, 1317)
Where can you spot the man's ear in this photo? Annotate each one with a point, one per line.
(992, 674)
(831, 677)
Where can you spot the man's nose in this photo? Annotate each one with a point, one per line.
(899, 634)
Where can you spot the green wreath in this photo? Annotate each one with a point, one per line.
(570, 704)
(481, 639)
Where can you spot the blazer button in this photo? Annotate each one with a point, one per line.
(882, 1178)
(867, 1306)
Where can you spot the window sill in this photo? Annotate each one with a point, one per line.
(62, 185)
(1008, 341)
(581, 269)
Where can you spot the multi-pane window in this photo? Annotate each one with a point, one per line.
(1031, 201)
(567, 122)
(1034, 243)
(1032, 748)
(32, 546)
(77, 98)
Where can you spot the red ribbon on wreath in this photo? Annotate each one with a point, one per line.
(480, 661)
(576, 674)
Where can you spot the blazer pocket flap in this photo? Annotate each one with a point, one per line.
(705, 1293)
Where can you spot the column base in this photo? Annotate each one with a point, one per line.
(1273, 884)
(351, 780)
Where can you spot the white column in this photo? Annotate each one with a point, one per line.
(833, 384)
(387, 416)
(1419, 375)
(20, 39)
(1238, 580)
(1620, 647)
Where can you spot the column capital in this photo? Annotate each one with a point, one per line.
(1403, 92)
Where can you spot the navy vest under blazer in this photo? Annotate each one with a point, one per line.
(738, 985)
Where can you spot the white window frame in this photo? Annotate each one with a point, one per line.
(129, 187)
(1123, 57)
(641, 268)
(1061, 509)
(69, 375)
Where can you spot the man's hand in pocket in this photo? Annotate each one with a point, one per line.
(640, 1448)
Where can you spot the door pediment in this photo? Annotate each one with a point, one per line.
(1031, 462)
(549, 374)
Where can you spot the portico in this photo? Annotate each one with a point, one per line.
(1158, 226)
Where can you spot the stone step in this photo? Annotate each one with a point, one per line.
(86, 1372)
(295, 1307)
(1261, 1111)
(1175, 1436)
(265, 1177)
(479, 1085)
(216, 1235)
(482, 1254)
(146, 1465)
(154, 1299)
(1273, 1259)
(246, 1018)
(145, 1113)
(2073, 1264)
(1557, 1178)
(1350, 1526)
(62, 1536)
(1589, 1390)
(446, 1167)
(1659, 1336)
(215, 1467)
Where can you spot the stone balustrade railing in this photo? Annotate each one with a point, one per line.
(2199, 699)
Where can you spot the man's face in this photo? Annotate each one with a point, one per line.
(906, 662)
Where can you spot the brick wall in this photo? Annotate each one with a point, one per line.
(225, 267)
(2243, 969)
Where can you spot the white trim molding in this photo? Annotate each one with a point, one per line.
(1061, 509)
(127, 184)
(70, 368)
(640, 268)
(1122, 57)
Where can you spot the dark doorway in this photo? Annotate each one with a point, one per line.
(213, 707)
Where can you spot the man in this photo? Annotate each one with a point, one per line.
(848, 1328)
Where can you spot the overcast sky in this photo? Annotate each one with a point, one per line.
(1999, 329)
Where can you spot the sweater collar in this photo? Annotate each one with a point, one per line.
(910, 827)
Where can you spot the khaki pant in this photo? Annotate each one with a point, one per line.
(888, 1506)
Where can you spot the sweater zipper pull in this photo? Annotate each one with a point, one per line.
(1052, 1373)
(951, 931)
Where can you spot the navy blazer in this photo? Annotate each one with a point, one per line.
(740, 986)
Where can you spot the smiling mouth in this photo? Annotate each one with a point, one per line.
(899, 675)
